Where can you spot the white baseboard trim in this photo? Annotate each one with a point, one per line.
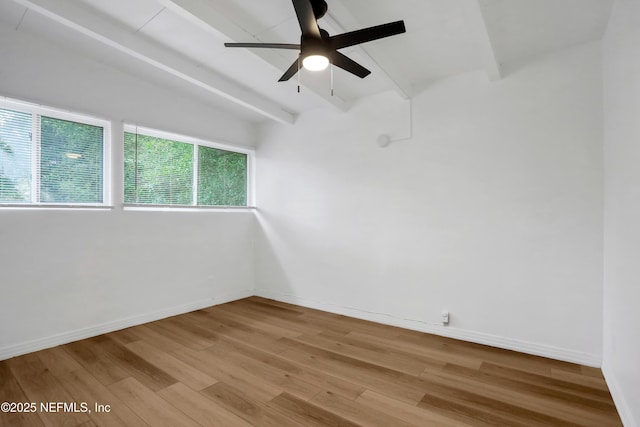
(446, 331)
(622, 405)
(471, 336)
(92, 331)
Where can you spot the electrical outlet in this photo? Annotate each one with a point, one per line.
(445, 317)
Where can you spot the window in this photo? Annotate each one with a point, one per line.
(51, 157)
(164, 169)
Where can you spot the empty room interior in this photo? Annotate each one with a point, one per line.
(319, 213)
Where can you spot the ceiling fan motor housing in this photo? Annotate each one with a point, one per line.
(319, 8)
(314, 46)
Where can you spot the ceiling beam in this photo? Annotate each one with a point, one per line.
(341, 18)
(216, 22)
(479, 26)
(78, 18)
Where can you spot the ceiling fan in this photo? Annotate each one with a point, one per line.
(318, 48)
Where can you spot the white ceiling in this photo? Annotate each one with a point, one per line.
(179, 43)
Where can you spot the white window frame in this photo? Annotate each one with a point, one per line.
(196, 142)
(36, 112)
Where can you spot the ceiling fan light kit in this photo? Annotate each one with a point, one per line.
(318, 49)
(315, 62)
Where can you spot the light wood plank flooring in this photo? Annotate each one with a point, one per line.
(258, 362)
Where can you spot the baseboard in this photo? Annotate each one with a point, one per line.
(446, 331)
(622, 405)
(451, 332)
(79, 334)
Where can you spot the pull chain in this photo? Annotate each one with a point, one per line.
(299, 74)
(331, 65)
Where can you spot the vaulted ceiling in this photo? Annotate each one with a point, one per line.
(179, 43)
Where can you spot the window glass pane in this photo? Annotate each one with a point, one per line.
(222, 177)
(71, 162)
(15, 156)
(157, 171)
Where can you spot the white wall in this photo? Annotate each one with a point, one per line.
(493, 210)
(70, 274)
(622, 209)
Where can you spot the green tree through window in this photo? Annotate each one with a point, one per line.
(15, 156)
(222, 177)
(157, 171)
(70, 162)
(50, 160)
(160, 171)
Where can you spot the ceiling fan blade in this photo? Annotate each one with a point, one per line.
(265, 45)
(306, 18)
(348, 64)
(367, 34)
(291, 71)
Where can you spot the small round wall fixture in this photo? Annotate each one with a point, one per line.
(383, 140)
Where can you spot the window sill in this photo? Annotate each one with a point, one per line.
(59, 207)
(169, 208)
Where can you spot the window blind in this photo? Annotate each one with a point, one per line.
(222, 177)
(46, 159)
(71, 166)
(181, 171)
(16, 130)
(157, 171)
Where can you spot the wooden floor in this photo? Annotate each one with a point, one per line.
(264, 363)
